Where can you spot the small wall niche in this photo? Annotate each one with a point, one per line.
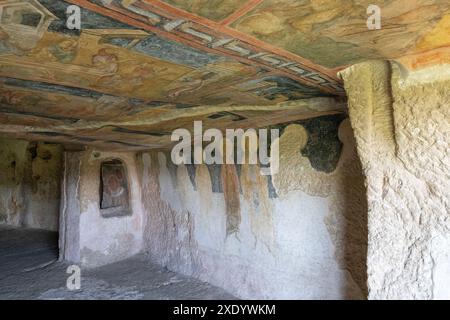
(114, 189)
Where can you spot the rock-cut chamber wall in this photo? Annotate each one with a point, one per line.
(298, 234)
(402, 131)
(30, 184)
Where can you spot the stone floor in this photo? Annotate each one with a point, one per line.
(29, 270)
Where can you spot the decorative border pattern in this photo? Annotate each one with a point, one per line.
(175, 24)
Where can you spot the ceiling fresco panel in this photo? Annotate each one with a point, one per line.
(333, 33)
(216, 10)
(139, 69)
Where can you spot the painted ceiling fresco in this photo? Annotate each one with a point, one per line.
(139, 69)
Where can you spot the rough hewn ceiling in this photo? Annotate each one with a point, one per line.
(140, 68)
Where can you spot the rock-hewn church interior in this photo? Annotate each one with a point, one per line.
(353, 202)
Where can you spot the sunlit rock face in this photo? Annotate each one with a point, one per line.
(401, 128)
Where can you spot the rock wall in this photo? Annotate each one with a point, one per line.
(30, 184)
(92, 238)
(403, 134)
(300, 234)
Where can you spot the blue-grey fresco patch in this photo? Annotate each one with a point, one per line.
(239, 170)
(5, 47)
(125, 143)
(239, 173)
(184, 105)
(31, 19)
(289, 88)
(89, 19)
(215, 173)
(324, 147)
(140, 105)
(220, 115)
(146, 133)
(272, 191)
(171, 51)
(270, 187)
(5, 108)
(119, 41)
(137, 104)
(82, 139)
(57, 134)
(191, 169)
(56, 88)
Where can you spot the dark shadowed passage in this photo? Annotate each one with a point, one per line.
(29, 270)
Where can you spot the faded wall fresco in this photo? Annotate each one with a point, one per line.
(30, 184)
(300, 234)
(114, 186)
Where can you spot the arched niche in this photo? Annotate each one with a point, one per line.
(114, 197)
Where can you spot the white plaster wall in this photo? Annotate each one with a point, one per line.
(291, 247)
(106, 240)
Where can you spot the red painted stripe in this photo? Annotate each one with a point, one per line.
(137, 21)
(178, 13)
(250, 5)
